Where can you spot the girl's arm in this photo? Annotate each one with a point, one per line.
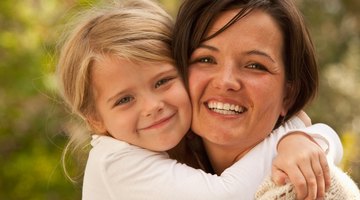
(123, 171)
(129, 172)
(311, 177)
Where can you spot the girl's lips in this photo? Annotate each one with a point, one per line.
(158, 123)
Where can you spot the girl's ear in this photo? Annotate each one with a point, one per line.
(96, 124)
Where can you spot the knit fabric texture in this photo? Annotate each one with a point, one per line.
(342, 188)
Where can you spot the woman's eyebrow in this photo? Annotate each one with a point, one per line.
(212, 48)
(260, 53)
(252, 52)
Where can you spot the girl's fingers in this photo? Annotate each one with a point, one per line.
(278, 176)
(298, 179)
(326, 171)
(319, 175)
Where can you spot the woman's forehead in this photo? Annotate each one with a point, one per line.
(220, 20)
(256, 22)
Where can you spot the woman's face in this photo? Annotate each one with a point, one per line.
(237, 81)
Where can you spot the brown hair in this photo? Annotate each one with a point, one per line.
(195, 17)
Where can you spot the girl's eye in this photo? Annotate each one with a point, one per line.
(162, 82)
(124, 100)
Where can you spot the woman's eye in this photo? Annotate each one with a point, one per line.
(124, 100)
(257, 66)
(206, 60)
(203, 60)
(162, 82)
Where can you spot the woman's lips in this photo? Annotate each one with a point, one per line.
(225, 108)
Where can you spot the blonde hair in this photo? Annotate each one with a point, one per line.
(139, 30)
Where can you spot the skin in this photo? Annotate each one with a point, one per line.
(144, 104)
(242, 69)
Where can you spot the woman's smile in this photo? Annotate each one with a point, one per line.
(225, 108)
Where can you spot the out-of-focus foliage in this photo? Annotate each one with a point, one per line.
(30, 127)
(32, 119)
(335, 27)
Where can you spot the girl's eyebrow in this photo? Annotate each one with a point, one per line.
(260, 53)
(115, 96)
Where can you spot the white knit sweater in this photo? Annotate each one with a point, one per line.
(342, 188)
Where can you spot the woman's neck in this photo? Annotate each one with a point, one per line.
(221, 157)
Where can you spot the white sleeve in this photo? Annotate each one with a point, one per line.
(146, 174)
(135, 173)
(129, 172)
(325, 136)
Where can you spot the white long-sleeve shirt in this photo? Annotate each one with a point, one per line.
(118, 170)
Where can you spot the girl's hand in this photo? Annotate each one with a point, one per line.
(302, 162)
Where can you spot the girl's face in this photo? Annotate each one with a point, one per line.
(237, 81)
(144, 104)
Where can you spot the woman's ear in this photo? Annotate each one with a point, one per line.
(287, 101)
(96, 124)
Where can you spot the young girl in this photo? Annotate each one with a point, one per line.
(117, 74)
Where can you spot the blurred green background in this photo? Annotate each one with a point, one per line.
(32, 120)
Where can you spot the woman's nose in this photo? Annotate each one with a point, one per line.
(226, 78)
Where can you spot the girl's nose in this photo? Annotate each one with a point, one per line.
(152, 105)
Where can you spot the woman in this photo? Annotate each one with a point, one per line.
(253, 55)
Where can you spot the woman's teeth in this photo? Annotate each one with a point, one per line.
(225, 108)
